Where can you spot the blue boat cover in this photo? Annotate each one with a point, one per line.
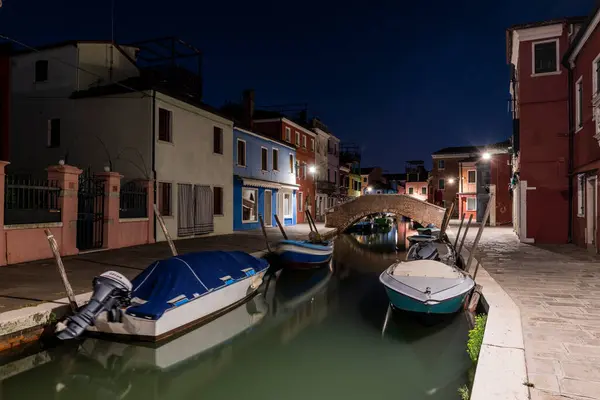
(175, 281)
(308, 245)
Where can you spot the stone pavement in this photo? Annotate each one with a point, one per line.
(32, 283)
(557, 289)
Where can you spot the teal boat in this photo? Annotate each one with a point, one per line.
(426, 286)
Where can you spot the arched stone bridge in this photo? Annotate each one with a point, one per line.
(346, 214)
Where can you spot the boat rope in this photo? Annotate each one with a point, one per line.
(147, 276)
(188, 265)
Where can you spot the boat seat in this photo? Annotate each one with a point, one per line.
(426, 269)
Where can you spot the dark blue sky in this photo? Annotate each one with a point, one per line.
(401, 79)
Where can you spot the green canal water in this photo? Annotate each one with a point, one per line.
(310, 335)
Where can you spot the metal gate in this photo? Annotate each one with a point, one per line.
(90, 212)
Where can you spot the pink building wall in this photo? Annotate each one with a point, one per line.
(417, 190)
(28, 242)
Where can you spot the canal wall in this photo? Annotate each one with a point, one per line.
(501, 369)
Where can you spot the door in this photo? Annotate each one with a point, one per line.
(268, 208)
(590, 211)
(90, 212)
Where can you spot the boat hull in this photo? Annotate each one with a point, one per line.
(179, 320)
(298, 257)
(406, 303)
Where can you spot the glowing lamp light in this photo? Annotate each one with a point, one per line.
(369, 189)
(451, 181)
(312, 169)
(486, 156)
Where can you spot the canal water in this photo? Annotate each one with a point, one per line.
(309, 335)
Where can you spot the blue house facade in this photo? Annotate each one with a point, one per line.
(264, 181)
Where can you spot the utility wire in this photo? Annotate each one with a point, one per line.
(142, 92)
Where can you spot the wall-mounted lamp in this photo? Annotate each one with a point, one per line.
(486, 156)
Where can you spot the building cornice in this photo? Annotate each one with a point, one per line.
(289, 122)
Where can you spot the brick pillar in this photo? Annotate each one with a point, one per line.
(68, 180)
(112, 192)
(3, 261)
(150, 187)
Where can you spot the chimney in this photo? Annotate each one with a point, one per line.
(248, 106)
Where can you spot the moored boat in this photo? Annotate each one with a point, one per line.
(426, 286)
(303, 253)
(169, 297)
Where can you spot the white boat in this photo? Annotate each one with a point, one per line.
(426, 286)
(168, 297)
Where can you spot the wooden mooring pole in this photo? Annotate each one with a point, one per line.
(480, 232)
(462, 220)
(280, 225)
(61, 270)
(447, 220)
(462, 242)
(264, 231)
(161, 222)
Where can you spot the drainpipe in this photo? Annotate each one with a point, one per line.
(153, 147)
(570, 157)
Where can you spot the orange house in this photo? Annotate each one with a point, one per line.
(467, 187)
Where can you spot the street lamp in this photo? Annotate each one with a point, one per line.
(451, 181)
(312, 169)
(369, 188)
(486, 156)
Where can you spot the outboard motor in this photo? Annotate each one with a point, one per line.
(422, 251)
(112, 291)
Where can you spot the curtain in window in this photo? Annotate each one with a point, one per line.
(185, 210)
(203, 210)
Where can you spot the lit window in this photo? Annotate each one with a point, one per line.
(471, 204)
(471, 176)
(249, 205)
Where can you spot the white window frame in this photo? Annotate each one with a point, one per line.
(595, 76)
(297, 137)
(440, 181)
(441, 165)
(250, 221)
(578, 105)
(290, 205)
(312, 145)
(292, 163)
(273, 166)
(237, 154)
(288, 134)
(558, 71)
(468, 181)
(264, 149)
(299, 201)
(581, 181)
(467, 205)
(304, 141)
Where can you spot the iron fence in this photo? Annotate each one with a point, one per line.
(134, 200)
(31, 201)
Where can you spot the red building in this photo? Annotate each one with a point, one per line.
(4, 100)
(539, 90)
(583, 62)
(304, 139)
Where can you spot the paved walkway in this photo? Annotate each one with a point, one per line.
(31, 283)
(557, 289)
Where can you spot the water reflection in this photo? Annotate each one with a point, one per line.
(312, 335)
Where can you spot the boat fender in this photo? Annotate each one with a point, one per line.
(256, 282)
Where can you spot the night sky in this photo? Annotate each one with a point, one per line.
(401, 79)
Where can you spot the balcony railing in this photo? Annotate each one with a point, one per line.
(326, 187)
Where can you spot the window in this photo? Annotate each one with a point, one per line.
(291, 163)
(424, 190)
(287, 205)
(579, 103)
(411, 190)
(581, 195)
(364, 180)
(264, 158)
(164, 125)
(304, 141)
(596, 75)
(328, 175)
(335, 149)
(54, 132)
(545, 57)
(441, 184)
(471, 176)
(288, 134)
(300, 201)
(217, 200)
(441, 164)
(275, 160)
(241, 153)
(41, 70)
(335, 177)
(471, 204)
(249, 205)
(312, 145)
(217, 140)
(297, 138)
(164, 198)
